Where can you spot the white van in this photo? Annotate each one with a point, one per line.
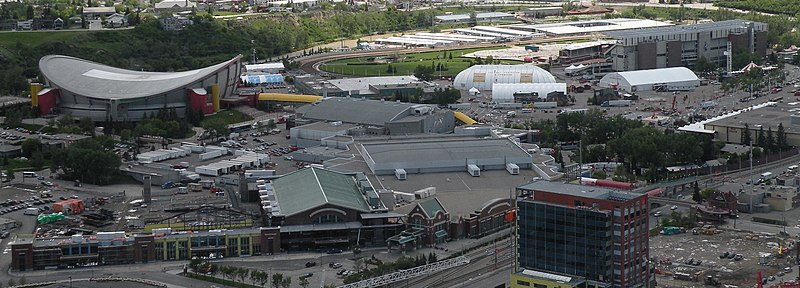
(32, 211)
(792, 168)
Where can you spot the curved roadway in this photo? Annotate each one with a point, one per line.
(310, 64)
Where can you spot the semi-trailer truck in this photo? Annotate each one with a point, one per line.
(616, 103)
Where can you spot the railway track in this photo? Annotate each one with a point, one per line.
(479, 263)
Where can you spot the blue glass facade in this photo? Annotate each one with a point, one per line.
(565, 240)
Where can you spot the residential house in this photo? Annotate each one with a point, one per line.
(116, 20)
(174, 6)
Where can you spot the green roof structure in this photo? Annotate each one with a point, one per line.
(431, 207)
(309, 188)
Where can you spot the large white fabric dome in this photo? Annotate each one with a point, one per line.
(484, 76)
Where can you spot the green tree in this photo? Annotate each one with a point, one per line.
(216, 128)
(703, 65)
(37, 160)
(599, 174)
(31, 145)
(89, 160)
(126, 135)
(781, 137)
(277, 280)
(10, 174)
(423, 72)
(286, 283)
(746, 137)
(303, 281)
(87, 125)
(696, 196)
(242, 273)
(770, 144)
(761, 139)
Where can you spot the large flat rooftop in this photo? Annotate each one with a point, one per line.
(592, 26)
(592, 192)
(766, 116)
(442, 150)
(695, 28)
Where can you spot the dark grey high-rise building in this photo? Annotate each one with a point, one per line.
(594, 233)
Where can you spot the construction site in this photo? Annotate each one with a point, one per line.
(710, 257)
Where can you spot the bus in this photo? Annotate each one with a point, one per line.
(29, 174)
(766, 176)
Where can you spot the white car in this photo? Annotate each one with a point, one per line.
(673, 207)
(657, 214)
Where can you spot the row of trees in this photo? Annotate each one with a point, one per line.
(772, 142)
(384, 268)
(638, 147)
(241, 275)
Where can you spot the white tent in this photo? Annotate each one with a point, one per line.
(671, 79)
(504, 92)
(474, 91)
(574, 68)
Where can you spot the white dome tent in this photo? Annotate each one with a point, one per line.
(474, 91)
(482, 77)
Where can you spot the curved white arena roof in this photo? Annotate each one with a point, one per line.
(483, 76)
(95, 80)
(648, 77)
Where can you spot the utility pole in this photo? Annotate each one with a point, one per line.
(253, 43)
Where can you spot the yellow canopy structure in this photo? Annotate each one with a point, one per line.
(464, 118)
(281, 97)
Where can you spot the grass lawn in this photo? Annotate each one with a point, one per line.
(34, 39)
(227, 117)
(406, 63)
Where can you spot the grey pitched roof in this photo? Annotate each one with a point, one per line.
(313, 187)
(352, 110)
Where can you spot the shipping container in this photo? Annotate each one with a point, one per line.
(259, 173)
(545, 105)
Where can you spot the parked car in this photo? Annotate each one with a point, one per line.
(335, 251)
(306, 275)
(311, 264)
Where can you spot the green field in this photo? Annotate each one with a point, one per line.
(406, 63)
(33, 39)
(227, 117)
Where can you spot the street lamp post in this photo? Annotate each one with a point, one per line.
(70, 281)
